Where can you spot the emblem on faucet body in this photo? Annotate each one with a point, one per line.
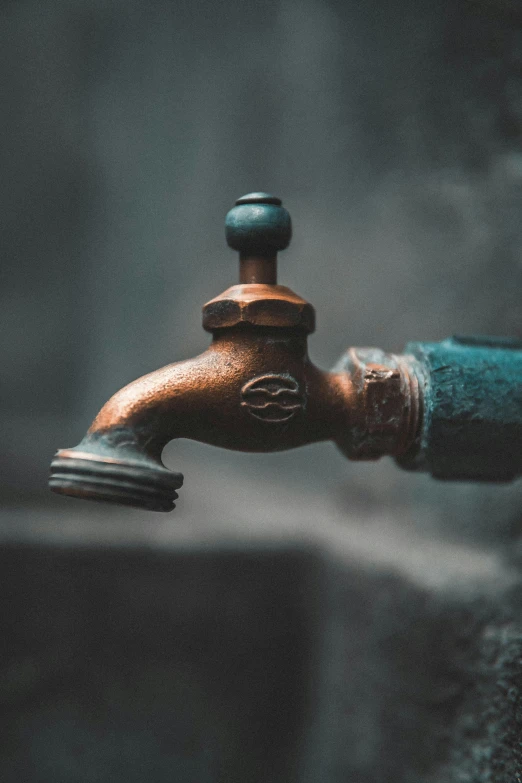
(273, 398)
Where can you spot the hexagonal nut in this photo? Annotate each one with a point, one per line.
(259, 305)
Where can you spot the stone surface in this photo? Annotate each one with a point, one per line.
(133, 665)
(355, 655)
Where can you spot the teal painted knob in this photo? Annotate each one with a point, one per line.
(258, 224)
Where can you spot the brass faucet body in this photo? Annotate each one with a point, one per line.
(254, 389)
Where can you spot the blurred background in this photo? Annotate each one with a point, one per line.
(393, 134)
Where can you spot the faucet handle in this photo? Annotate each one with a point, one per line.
(258, 225)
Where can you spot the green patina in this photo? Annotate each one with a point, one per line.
(472, 423)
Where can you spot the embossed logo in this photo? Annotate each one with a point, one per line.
(272, 398)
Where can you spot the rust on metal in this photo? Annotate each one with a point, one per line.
(258, 304)
(258, 269)
(388, 403)
(254, 389)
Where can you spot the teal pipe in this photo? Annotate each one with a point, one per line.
(472, 419)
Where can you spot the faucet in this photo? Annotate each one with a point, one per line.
(452, 408)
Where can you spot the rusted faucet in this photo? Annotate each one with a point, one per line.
(255, 389)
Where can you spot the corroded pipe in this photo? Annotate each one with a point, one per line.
(255, 389)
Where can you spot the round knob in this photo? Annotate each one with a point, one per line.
(258, 224)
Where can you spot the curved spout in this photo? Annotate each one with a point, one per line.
(252, 390)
